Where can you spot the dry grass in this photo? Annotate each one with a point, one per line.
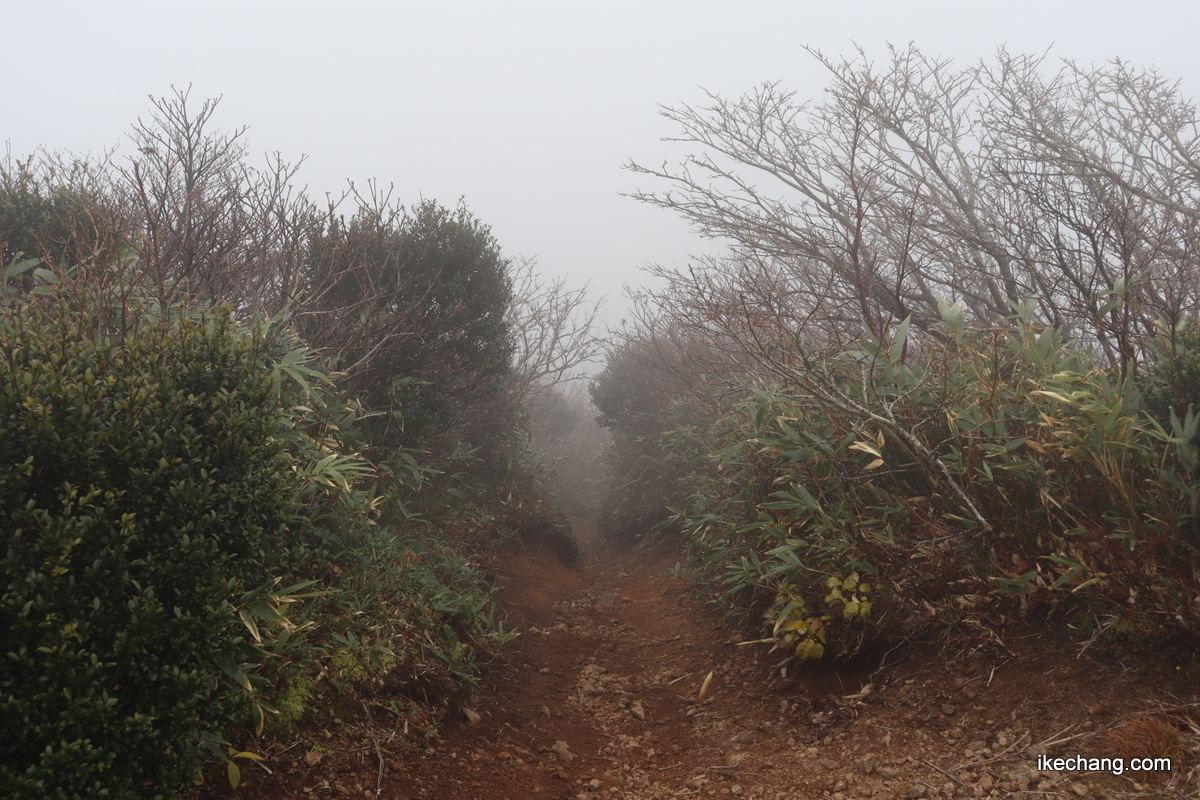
(1146, 736)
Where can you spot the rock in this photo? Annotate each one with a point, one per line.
(986, 782)
(829, 764)
(563, 751)
(472, 715)
(976, 746)
(949, 709)
(637, 710)
(1079, 789)
(736, 789)
(562, 775)
(312, 758)
(593, 785)
(918, 790)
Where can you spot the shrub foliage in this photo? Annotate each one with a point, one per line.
(140, 483)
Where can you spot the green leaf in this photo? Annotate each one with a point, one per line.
(16, 268)
(953, 318)
(898, 341)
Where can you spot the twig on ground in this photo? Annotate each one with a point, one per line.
(996, 757)
(370, 728)
(379, 776)
(939, 769)
(1096, 634)
(1053, 742)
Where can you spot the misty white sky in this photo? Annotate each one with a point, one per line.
(527, 110)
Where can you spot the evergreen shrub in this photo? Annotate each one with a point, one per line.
(140, 485)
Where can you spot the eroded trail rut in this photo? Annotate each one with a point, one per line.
(597, 702)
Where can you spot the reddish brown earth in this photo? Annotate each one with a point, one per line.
(596, 701)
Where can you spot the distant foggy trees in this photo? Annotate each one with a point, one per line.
(914, 182)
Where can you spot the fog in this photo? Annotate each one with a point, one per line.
(526, 110)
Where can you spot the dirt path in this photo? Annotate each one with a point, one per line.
(597, 702)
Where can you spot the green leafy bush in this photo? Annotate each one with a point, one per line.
(140, 489)
(986, 469)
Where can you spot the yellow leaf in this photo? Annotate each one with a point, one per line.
(875, 464)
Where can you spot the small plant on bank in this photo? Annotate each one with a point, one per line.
(795, 628)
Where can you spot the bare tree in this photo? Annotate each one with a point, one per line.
(916, 182)
(553, 330)
(213, 227)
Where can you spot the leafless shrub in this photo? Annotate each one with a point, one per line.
(915, 181)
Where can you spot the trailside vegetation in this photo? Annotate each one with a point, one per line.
(252, 454)
(946, 371)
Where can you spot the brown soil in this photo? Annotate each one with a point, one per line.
(597, 701)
